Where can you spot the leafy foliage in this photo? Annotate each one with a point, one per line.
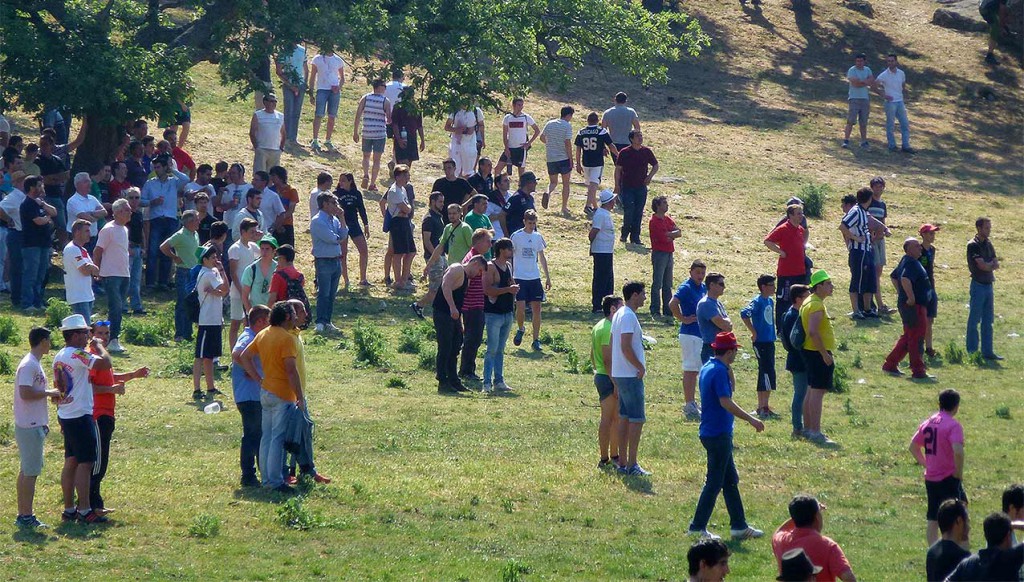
(8, 330)
(813, 197)
(6, 368)
(56, 311)
(204, 526)
(154, 331)
(371, 345)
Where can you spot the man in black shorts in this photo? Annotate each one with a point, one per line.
(400, 207)
(513, 134)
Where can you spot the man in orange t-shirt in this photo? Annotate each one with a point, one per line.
(282, 389)
(105, 385)
(803, 530)
(285, 232)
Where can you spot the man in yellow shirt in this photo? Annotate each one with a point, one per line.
(819, 344)
(282, 388)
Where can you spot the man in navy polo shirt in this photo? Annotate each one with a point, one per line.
(520, 202)
(684, 308)
(716, 426)
(915, 293)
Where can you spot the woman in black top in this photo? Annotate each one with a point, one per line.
(350, 199)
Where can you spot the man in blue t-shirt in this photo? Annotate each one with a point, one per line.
(711, 316)
(860, 79)
(247, 396)
(915, 293)
(520, 202)
(716, 425)
(759, 317)
(684, 308)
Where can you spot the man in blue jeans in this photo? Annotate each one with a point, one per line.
(327, 233)
(112, 258)
(37, 222)
(982, 262)
(637, 165)
(181, 248)
(246, 391)
(716, 425)
(160, 195)
(499, 303)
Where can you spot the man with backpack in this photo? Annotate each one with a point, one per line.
(287, 282)
(181, 248)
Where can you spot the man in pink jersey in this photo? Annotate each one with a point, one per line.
(938, 444)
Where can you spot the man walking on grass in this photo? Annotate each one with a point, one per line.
(717, 384)
(628, 370)
(557, 136)
(529, 247)
(374, 113)
(637, 166)
(914, 295)
(514, 135)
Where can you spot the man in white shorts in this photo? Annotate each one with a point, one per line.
(31, 422)
(591, 144)
(684, 308)
(463, 125)
(240, 255)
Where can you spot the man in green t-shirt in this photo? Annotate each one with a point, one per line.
(477, 217)
(456, 238)
(181, 249)
(601, 356)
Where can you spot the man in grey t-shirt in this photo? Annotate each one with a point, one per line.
(557, 136)
(619, 120)
(860, 79)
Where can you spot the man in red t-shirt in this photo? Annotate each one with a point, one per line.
(105, 385)
(637, 165)
(788, 240)
(285, 270)
(181, 157)
(664, 232)
(803, 530)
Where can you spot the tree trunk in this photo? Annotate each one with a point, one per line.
(101, 142)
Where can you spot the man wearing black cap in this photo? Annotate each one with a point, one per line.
(266, 133)
(520, 202)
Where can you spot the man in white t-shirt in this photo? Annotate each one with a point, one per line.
(233, 198)
(464, 125)
(891, 84)
(31, 421)
(323, 184)
(253, 200)
(112, 258)
(241, 255)
(557, 135)
(266, 134)
(271, 206)
(628, 370)
(212, 287)
(393, 90)
(202, 183)
(71, 368)
(514, 134)
(84, 206)
(325, 81)
(79, 270)
(529, 246)
(602, 249)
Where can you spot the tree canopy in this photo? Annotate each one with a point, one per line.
(116, 60)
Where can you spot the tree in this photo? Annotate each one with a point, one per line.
(112, 61)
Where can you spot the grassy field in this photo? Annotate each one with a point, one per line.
(486, 488)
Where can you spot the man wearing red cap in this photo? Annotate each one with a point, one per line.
(716, 425)
(927, 232)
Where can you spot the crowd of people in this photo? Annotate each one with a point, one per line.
(232, 242)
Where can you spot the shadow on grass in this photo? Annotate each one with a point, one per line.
(642, 485)
(81, 531)
(30, 536)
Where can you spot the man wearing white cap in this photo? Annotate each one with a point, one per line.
(71, 368)
(602, 249)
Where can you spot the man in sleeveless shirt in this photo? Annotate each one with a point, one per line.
(374, 112)
(266, 133)
(448, 322)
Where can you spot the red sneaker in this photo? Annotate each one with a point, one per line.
(291, 480)
(321, 479)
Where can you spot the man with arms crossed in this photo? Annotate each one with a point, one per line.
(31, 422)
(628, 371)
(711, 316)
(684, 308)
(982, 261)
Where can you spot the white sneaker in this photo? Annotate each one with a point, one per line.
(319, 328)
(115, 347)
(704, 534)
(332, 328)
(746, 534)
(690, 411)
(487, 389)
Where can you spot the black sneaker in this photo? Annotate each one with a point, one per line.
(67, 515)
(92, 517)
(458, 386)
(197, 395)
(214, 393)
(445, 388)
(871, 314)
(417, 310)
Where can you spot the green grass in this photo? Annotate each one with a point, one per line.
(485, 488)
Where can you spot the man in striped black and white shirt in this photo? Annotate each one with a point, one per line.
(374, 112)
(856, 228)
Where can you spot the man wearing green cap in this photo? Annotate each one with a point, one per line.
(819, 343)
(255, 280)
(181, 248)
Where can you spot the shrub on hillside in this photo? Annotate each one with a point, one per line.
(6, 368)
(371, 346)
(410, 339)
(813, 196)
(8, 330)
(148, 332)
(56, 311)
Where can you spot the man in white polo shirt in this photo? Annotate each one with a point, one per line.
(891, 84)
(514, 133)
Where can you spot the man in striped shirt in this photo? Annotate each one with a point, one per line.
(557, 136)
(374, 111)
(856, 228)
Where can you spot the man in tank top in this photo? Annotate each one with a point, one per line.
(499, 303)
(448, 322)
(374, 112)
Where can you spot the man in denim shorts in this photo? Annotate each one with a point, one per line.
(325, 82)
(628, 371)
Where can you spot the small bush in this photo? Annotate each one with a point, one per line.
(371, 346)
(8, 330)
(394, 382)
(428, 359)
(574, 364)
(317, 340)
(204, 526)
(295, 515)
(152, 332)
(6, 433)
(555, 341)
(410, 339)
(56, 311)
(977, 359)
(856, 361)
(955, 353)
(1003, 412)
(840, 380)
(813, 196)
(843, 346)
(179, 359)
(513, 571)
(427, 331)
(6, 368)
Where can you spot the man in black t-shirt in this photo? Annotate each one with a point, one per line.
(981, 261)
(455, 189)
(482, 181)
(591, 144)
(136, 251)
(55, 174)
(947, 553)
(37, 218)
(431, 229)
(1000, 560)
